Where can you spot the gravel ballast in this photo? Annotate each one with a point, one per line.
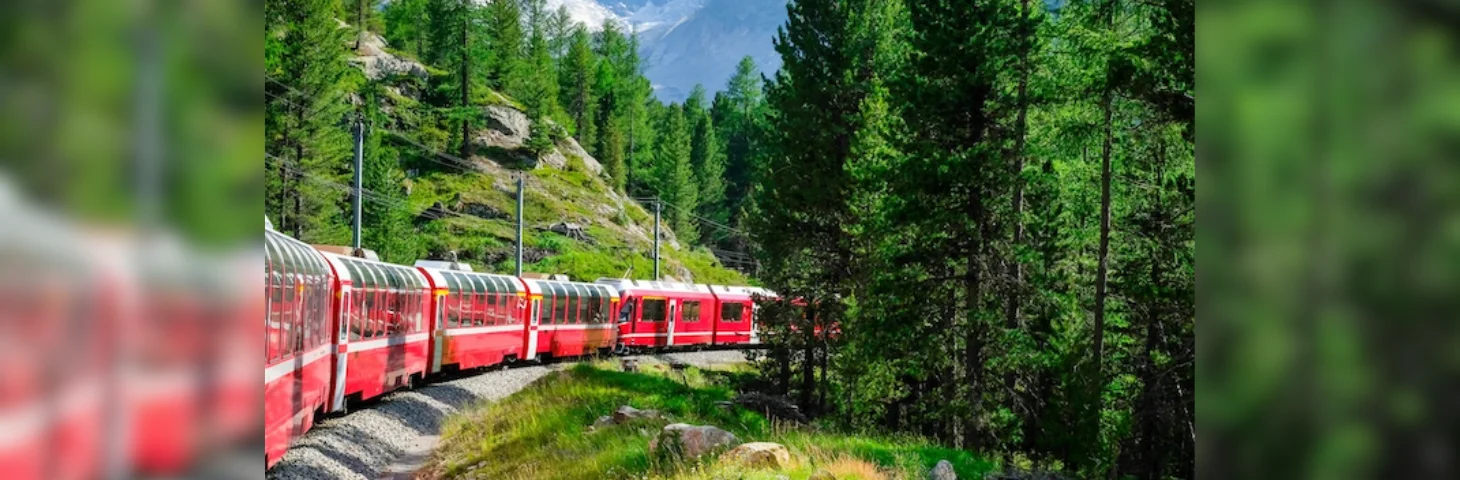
(388, 438)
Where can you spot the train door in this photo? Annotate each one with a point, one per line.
(342, 345)
(670, 321)
(534, 319)
(438, 327)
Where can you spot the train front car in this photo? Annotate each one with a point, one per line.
(573, 318)
(663, 314)
(298, 340)
(481, 319)
(735, 314)
(381, 329)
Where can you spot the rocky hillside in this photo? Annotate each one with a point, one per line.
(576, 224)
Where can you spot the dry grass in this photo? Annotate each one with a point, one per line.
(846, 467)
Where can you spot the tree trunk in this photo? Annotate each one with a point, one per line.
(1102, 268)
(808, 357)
(465, 81)
(1011, 311)
(973, 334)
(298, 175)
(359, 23)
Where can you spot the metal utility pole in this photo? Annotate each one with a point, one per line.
(359, 182)
(656, 238)
(520, 190)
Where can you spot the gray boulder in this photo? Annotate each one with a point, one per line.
(626, 413)
(942, 471)
(683, 440)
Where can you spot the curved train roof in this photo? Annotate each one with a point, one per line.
(623, 285)
(298, 257)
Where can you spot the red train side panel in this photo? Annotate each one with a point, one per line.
(381, 332)
(299, 285)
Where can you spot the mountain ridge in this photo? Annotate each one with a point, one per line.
(690, 42)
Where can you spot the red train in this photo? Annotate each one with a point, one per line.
(340, 330)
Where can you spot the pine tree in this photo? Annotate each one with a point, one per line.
(576, 81)
(829, 51)
(505, 68)
(707, 159)
(672, 175)
(386, 217)
(454, 48)
(407, 25)
(540, 88)
(736, 120)
(306, 106)
(610, 147)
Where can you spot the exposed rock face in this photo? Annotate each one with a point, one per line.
(821, 475)
(689, 441)
(377, 63)
(506, 128)
(942, 471)
(759, 455)
(626, 413)
(569, 147)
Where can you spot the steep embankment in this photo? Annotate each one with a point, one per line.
(575, 223)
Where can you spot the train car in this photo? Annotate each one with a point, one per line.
(381, 332)
(570, 318)
(480, 319)
(735, 313)
(663, 314)
(298, 340)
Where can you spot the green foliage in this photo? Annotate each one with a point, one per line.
(307, 150)
(576, 87)
(672, 176)
(707, 160)
(942, 167)
(407, 26)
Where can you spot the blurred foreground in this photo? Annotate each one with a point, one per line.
(1331, 240)
(130, 187)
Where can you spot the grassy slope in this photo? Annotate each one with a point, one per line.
(542, 432)
(619, 230)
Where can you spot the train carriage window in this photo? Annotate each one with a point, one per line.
(560, 305)
(452, 303)
(731, 312)
(483, 295)
(691, 311)
(585, 298)
(603, 307)
(567, 311)
(654, 309)
(500, 309)
(575, 300)
(489, 299)
(595, 306)
(377, 289)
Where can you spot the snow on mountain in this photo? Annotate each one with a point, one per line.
(688, 42)
(587, 12)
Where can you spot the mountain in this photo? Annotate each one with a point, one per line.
(688, 42)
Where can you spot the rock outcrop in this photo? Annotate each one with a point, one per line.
(942, 471)
(626, 413)
(682, 440)
(768, 455)
(377, 63)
